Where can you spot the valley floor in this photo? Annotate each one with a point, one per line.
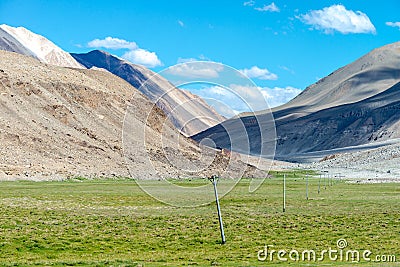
(114, 223)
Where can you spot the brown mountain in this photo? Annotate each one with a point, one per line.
(189, 113)
(60, 122)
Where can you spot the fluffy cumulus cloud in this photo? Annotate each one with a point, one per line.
(198, 70)
(270, 8)
(258, 73)
(135, 54)
(238, 98)
(112, 43)
(142, 57)
(338, 18)
(393, 24)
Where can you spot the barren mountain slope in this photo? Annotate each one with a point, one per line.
(374, 119)
(188, 113)
(41, 48)
(357, 104)
(59, 122)
(369, 75)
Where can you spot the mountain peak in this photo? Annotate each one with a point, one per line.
(367, 76)
(42, 48)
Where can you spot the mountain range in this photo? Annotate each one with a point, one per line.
(355, 105)
(62, 115)
(189, 113)
(61, 122)
(60, 119)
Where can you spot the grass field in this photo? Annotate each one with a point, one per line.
(113, 223)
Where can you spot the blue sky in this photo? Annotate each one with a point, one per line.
(282, 45)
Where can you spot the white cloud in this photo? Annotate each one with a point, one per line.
(239, 98)
(112, 43)
(262, 74)
(214, 96)
(180, 22)
(278, 96)
(204, 58)
(198, 70)
(223, 100)
(142, 57)
(184, 60)
(338, 18)
(191, 59)
(271, 8)
(393, 24)
(251, 96)
(249, 3)
(135, 54)
(287, 69)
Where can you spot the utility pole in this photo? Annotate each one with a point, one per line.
(214, 180)
(319, 183)
(325, 176)
(307, 186)
(284, 192)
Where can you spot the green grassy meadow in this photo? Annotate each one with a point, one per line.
(114, 223)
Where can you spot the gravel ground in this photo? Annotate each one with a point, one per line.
(374, 165)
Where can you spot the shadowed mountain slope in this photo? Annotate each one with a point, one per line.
(357, 104)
